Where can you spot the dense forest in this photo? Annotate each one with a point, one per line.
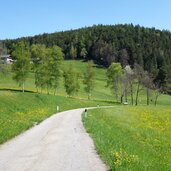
(127, 44)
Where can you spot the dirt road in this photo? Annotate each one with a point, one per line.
(59, 143)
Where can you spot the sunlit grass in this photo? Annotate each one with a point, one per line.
(132, 138)
(19, 111)
(100, 91)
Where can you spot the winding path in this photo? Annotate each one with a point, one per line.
(60, 143)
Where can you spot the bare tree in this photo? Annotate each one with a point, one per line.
(128, 83)
(147, 81)
(139, 73)
(158, 89)
(123, 57)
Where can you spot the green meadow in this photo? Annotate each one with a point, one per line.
(133, 138)
(100, 92)
(19, 111)
(126, 137)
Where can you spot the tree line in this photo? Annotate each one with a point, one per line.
(47, 66)
(127, 82)
(105, 44)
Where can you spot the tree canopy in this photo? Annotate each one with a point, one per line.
(21, 64)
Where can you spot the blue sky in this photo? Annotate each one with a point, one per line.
(30, 17)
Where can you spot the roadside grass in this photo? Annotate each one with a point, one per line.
(20, 111)
(132, 138)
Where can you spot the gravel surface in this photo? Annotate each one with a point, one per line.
(60, 143)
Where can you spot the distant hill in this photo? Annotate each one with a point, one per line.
(127, 44)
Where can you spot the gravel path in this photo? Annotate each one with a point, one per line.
(59, 143)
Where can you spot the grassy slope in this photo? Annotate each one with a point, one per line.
(133, 138)
(100, 91)
(19, 111)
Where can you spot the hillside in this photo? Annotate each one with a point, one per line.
(100, 92)
(127, 44)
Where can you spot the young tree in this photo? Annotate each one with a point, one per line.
(47, 66)
(158, 90)
(56, 65)
(129, 81)
(139, 72)
(114, 74)
(21, 64)
(48, 72)
(83, 53)
(38, 54)
(73, 52)
(148, 83)
(71, 82)
(2, 68)
(123, 57)
(3, 51)
(89, 79)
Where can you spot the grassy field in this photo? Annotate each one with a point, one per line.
(100, 92)
(133, 138)
(19, 111)
(127, 138)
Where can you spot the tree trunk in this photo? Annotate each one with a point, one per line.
(147, 96)
(55, 91)
(155, 102)
(23, 87)
(47, 89)
(89, 96)
(122, 98)
(37, 89)
(132, 97)
(126, 100)
(138, 89)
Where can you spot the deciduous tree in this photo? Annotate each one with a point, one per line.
(139, 73)
(71, 82)
(21, 64)
(114, 74)
(56, 65)
(89, 79)
(147, 81)
(38, 55)
(129, 82)
(73, 52)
